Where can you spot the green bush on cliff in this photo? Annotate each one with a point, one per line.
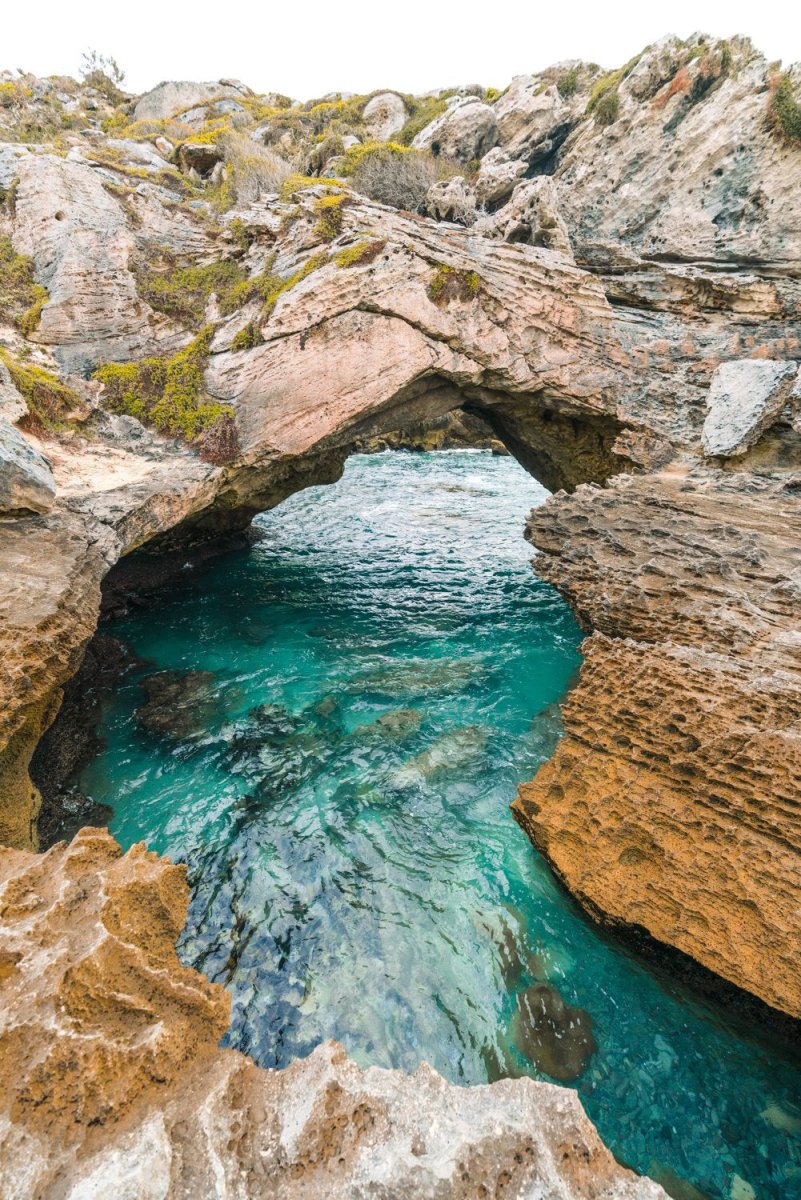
(607, 110)
(567, 84)
(604, 92)
(330, 214)
(395, 175)
(21, 297)
(169, 394)
(182, 292)
(451, 283)
(49, 400)
(784, 111)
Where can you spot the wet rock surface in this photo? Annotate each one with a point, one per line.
(112, 1076)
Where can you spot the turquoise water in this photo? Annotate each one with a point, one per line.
(376, 676)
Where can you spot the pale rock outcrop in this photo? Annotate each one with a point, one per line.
(26, 481)
(497, 177)
(531, 216)
(113, 1084)
(671, 179)
(81, 243)
(465, 131)
(531, 119)
(10, 156)
(12, 404)
(172, 97)
(744, 399)
(384, 116)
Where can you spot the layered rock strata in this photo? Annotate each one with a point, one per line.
(113, 1082)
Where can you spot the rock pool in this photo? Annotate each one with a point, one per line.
(329, 731)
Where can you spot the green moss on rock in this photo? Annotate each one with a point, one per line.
(21, 297)
(450, 283)
(49, 400)
(360, 254)
(183, 292)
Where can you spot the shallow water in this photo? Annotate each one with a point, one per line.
(384, 669)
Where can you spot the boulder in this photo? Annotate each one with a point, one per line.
(744, 398)
(26, 481)
(497, 177)
(384, 116)
(452, 200)
(171, 97)
(467, 130)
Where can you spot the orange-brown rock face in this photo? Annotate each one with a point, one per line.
(112, 1082)
(672, 803)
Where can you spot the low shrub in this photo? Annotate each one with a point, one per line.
(330, 213)
(49, 400)
(299, 183)
(606, 86)
(395, 175)
(567, 84)
(451, 283)
(784, 111)
(255, 169)
(169, 394)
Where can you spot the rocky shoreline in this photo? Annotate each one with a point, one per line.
(614, 291)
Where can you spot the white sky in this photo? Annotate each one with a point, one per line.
(307, 48)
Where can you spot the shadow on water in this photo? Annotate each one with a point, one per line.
(328, 731)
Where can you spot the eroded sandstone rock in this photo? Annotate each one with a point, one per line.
(671, 802)
(467, 130)
(112, 1082)
(171, 97)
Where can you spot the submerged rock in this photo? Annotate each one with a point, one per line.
(435, 675)
(395, 726)
(449, 752)
(555, 1037)
(180, 704)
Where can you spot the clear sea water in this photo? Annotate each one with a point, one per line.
(383, 668)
